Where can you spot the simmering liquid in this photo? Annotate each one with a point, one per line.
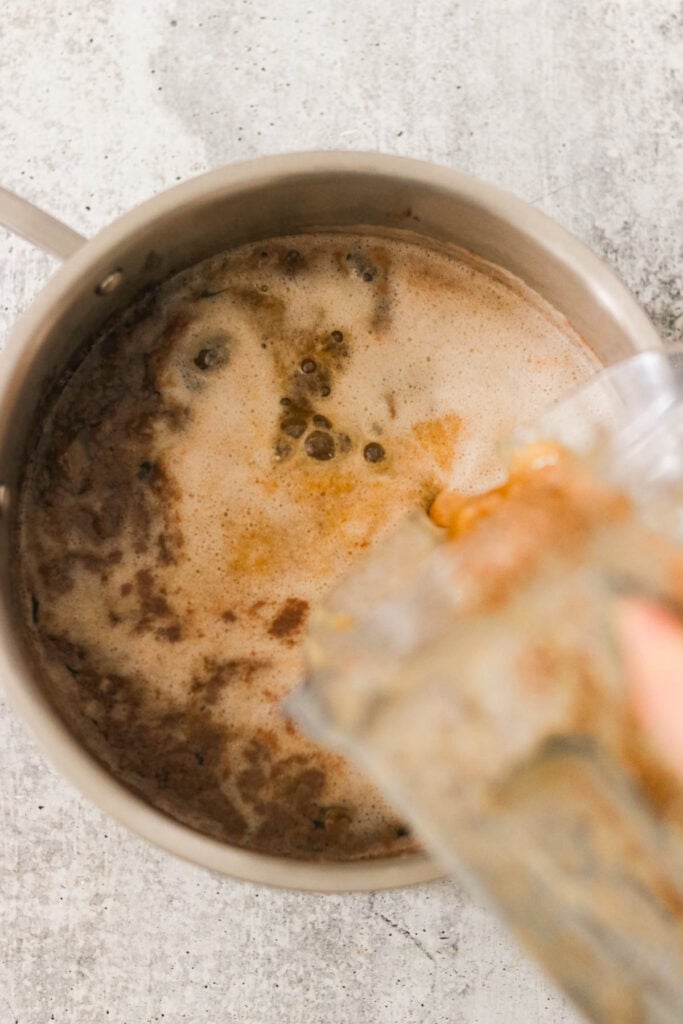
(217, 460)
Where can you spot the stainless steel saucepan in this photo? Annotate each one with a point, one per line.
(243, 203)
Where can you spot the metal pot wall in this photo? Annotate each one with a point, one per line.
(219, 210)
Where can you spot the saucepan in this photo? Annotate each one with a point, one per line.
(244, 203)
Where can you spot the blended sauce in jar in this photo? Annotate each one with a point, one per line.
(216, 462)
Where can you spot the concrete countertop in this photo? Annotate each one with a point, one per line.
(575, 107)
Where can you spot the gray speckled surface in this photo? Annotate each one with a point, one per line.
(575, 107)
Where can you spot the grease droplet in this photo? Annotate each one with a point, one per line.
(373, 452)
(207, 358)
(282, 450)
(320, 445)
(293, 425)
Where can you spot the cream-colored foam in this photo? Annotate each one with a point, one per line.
(444, 358)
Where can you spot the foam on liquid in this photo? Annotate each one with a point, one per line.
(169, 636)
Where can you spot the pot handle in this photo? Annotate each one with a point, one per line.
(40, 228)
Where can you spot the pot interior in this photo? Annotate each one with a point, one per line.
(150, 245)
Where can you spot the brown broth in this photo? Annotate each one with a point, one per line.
(216, 463)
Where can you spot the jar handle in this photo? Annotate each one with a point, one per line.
(40, 228)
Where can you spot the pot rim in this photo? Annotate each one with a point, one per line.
(61, 747)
